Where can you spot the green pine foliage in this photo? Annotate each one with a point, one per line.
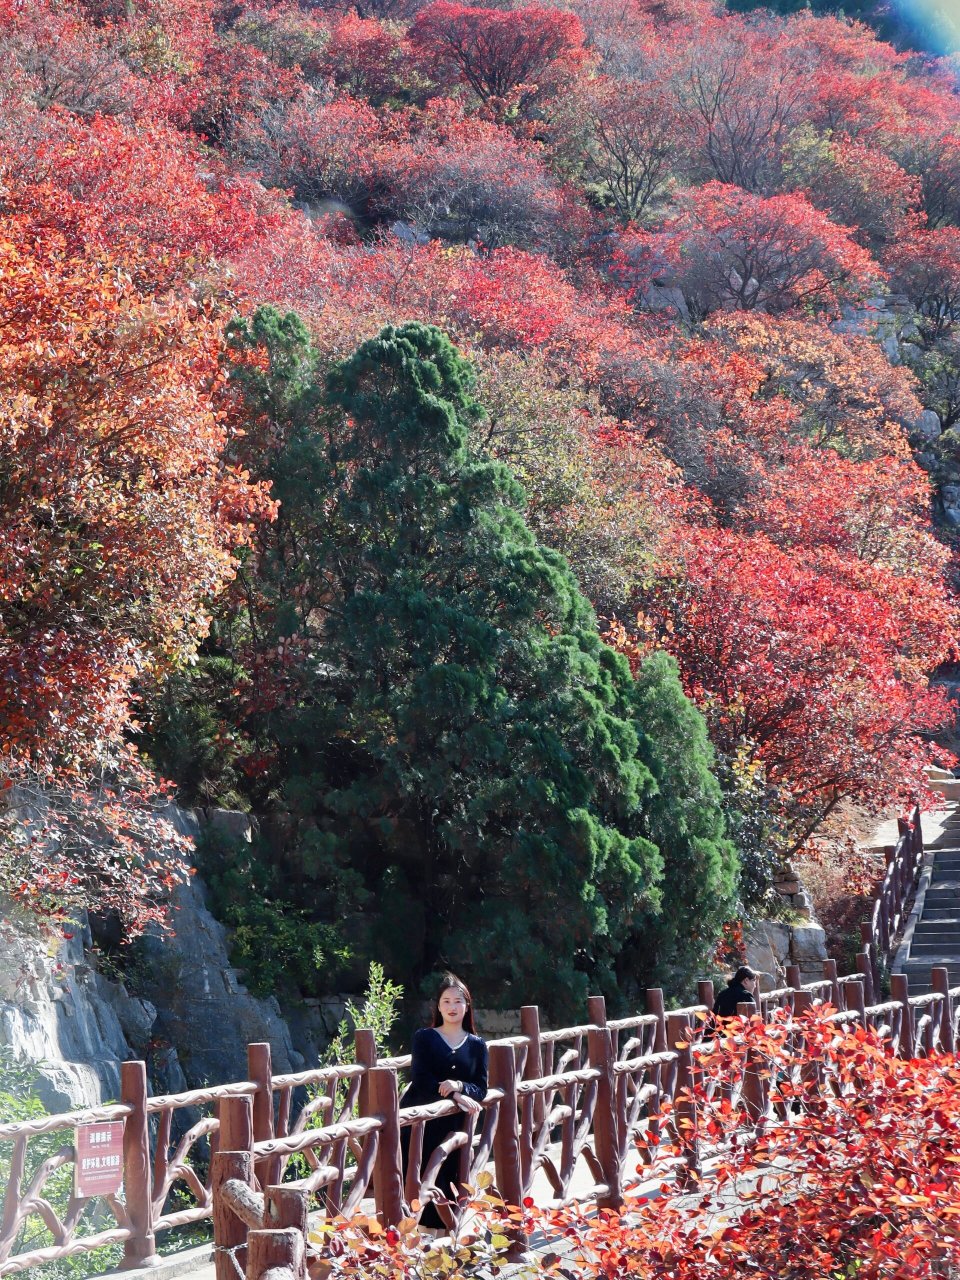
(471, 777)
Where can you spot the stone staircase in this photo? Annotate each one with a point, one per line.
(932, 935)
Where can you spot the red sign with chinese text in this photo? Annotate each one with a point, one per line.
(99, 1167)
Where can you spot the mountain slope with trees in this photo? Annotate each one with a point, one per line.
(671, 241)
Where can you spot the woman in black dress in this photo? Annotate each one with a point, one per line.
(739, 990)
(449, 1061)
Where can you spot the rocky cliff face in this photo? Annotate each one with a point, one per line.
(57, 1012)
(189, 1017)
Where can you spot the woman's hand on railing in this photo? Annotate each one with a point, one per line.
(467, 1105)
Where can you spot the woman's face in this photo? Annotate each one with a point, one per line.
(452, 1005)
(749, 984)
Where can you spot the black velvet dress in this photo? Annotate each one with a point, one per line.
(725, 1005)
(434, 1061)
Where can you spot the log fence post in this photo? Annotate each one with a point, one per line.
(506, 1138)
(868, 943)
(940, 982)
(276, 1251)
(236, 1124)
(286, 1207)
(533, 1063)
(260, 1069)
(605, 1121)
(810, 1074)
(900, 991)
(794, 977)
(832, 976)
(752, 1090)
(365, 1053)
(684, 1104)
(229, 1231)
(141, 1249)
(655, 1007)
(865, 969)
(597, 1011)
(705, 994)
(855, 999)
(388, 1168)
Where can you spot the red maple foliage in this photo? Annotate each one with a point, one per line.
(847, 1168)
(727, 249)
(851, 1171)
(926, 267)
(119, 513)
(800, 670)
(512, 60)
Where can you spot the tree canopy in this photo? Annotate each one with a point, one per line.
(465, 758)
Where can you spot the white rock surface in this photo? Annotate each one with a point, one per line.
(191, 1021)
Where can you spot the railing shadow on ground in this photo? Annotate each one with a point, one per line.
(576, 1102)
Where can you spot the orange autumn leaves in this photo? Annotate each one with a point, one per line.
(119, 513)
(535, 181)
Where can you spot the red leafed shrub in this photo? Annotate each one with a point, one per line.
(509, 58)
(851, 398)
(238, 84)
(801, 667)
(321, 146)
(624, 137)
(730, 250)
(853, 1175)
(368, 59)
(94, 839)
(742, 90)
(146, 194)
(67, 62)
(119, 518)
(460, 178)
(926, 267)
(859, 186)
(933, 154)
(119, 514)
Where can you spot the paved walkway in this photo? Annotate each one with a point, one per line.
(197, 1263)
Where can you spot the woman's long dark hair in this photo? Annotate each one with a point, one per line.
(744, 972)
(451, 980)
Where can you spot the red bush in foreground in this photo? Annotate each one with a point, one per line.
(851, 1174)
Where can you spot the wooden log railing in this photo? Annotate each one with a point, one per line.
(879, 932)
(590, 1097)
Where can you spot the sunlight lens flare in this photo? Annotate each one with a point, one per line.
(937, 21)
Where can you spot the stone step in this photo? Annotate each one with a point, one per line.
(922, 975)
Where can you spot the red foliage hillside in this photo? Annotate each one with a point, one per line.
(685, 214)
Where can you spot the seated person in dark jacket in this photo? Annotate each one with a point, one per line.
(739, 990)
(449, 1061)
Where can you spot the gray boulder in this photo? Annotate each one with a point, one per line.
(926, 427)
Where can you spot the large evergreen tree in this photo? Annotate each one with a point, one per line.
(474, 777)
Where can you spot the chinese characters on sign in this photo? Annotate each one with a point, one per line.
(99, 1167)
